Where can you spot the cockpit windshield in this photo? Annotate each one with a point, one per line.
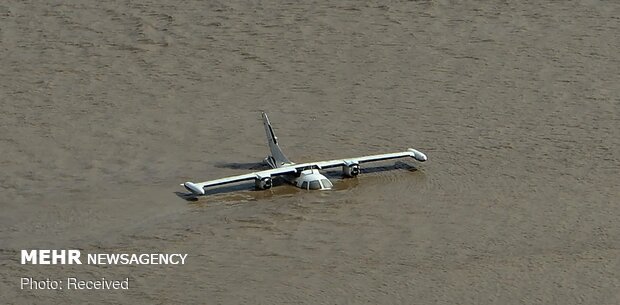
(326, 183)
(315, 185)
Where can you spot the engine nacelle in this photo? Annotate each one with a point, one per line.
(263, 183)
(351, 169)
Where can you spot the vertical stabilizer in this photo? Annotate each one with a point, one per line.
(276, 153)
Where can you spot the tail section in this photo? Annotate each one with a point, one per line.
(277, 158)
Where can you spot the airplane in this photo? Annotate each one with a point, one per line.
(305, 175)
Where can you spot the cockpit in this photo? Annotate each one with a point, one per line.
(311, 179)
(319, 184)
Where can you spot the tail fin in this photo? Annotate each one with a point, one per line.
(276, 153)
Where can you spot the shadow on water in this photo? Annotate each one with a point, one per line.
(254, 166)
(248, 187)
(186, 196)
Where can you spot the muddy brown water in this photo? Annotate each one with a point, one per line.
(107, 106)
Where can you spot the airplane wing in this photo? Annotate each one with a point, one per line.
(363, 159)
(198, 188)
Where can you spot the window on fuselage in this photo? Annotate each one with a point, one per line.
(304, 185)
(315, 185)
(326, 183)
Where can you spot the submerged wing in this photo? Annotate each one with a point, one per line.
(198, 188)
(363, 159)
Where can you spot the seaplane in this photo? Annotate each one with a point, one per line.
(306, 176)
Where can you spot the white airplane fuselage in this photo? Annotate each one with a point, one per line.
(307, 179)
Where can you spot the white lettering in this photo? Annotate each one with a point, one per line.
(74, 257)
(134, 260)
(183, 256)
(74, 283)
(144, 259)
(130, 259)
(29, 283)
(50, 257)
(58, 255)
(26, 281)
(30, 257)
(113, 259)
(164, 259)
(44, 257)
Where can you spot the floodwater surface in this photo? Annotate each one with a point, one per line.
(106, 106)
